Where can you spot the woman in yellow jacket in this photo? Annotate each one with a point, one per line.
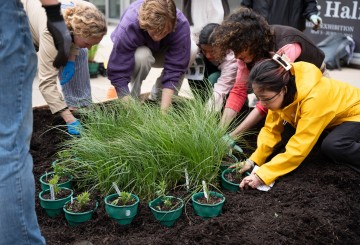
(298, 94)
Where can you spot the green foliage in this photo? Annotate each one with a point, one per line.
(92, 52)
(136, 144)
(123, 199)
(54, 182)
(161, 192)
(83, 199)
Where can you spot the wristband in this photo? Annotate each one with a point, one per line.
(251, 162)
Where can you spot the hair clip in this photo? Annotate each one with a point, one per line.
(283, 61)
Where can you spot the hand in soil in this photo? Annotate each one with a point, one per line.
(251, 181)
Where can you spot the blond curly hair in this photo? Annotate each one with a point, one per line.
(85, 21)
(154, 14)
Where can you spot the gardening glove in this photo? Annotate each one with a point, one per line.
(68, 72)
(74, 127)
(316, 20)
(231, 143)
(244, 166)
(59, 32)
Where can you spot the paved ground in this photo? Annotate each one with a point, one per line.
(101, 85)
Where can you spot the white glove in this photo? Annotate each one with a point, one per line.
(215, 103)
(316, 19)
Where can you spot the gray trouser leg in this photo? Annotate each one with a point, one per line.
(159, 63)
(144, 60)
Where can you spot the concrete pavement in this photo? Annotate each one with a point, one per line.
(101, 85)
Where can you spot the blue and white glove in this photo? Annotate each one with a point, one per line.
(74, 127)
(231, 143)
(68, 72)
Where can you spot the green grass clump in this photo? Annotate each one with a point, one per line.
(136, 145)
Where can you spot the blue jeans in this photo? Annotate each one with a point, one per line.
(18, 62)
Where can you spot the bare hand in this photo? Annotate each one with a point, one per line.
(242, 166)
(252, 181)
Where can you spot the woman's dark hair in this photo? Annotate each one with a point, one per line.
(205, 33)
(268, 75)
(244, 30)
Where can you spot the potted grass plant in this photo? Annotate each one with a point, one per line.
(121, 138)
(166, 209)
(207, 204)
(53, 199)
(65, 180)
(79, 209)
(122, 206)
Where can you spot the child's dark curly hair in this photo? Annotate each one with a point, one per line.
(244, 29)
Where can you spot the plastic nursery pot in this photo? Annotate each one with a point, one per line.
(93, 69)
(124, 215)
(227, 161)
(75, 219)
(229, 185)
(207, 210)
(54, 207)
(45, 185)
(166, 217)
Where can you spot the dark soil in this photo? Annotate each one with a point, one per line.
(234, 177)
(318, 203)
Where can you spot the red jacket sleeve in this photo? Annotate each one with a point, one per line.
(238, 93)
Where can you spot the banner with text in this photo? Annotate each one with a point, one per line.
(338, 17)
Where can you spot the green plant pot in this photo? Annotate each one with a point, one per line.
(167, 218)
(224, 164)
(124, 215)
(75, 219)
(207, 210)
(53, 207)
(93, 69)
(45, 186)
(228, 185)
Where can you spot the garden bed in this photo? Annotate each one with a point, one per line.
(316, 203)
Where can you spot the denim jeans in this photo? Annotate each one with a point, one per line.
(18, 62)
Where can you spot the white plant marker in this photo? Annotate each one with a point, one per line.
(71, 200)
(116, 188)
(52, 192)
(187, 179)
(205, 190)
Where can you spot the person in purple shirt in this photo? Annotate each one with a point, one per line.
(151, 33)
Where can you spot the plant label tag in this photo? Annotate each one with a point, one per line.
(205, 190)
(187, 179)
(116, 188)
(52, 192)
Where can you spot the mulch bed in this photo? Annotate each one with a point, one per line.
(318, 203)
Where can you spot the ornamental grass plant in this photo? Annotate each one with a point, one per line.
(136, 144)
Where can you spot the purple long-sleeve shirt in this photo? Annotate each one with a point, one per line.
(128, 36)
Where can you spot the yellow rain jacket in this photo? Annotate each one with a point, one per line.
(319, 103)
